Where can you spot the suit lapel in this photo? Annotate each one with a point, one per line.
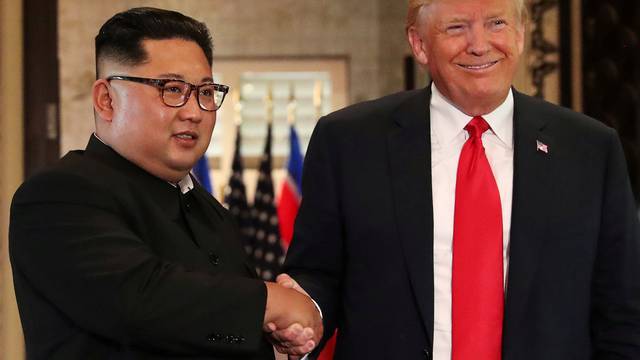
(409, 147)
(532, 196)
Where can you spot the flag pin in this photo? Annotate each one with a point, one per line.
(540, 146)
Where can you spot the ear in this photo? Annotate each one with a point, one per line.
(102, 100)
(418, 45)
(521, 30)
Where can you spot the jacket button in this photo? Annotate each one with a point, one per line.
(427, 354)
(215, 260)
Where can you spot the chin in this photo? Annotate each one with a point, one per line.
(184, 164)
(487, 90)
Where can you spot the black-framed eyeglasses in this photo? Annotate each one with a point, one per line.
(176, 93)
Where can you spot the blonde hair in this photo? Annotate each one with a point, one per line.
(416, 5)
(414, 9)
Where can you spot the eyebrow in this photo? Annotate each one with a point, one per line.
(456, 20)
(497, 15)
(180, 77)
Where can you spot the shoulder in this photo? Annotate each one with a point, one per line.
(577, 131)
(380, 106)
(74, 178)
(560, 118)
(372, 116)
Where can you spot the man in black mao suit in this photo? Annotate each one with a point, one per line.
(117, 252)
(373, 238)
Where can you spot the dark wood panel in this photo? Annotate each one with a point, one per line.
(611, 72)
(41, 84)
(566, 55)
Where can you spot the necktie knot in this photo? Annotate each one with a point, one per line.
(476, 127)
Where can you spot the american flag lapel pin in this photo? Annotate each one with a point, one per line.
(540, 146)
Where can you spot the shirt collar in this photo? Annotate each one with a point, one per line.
(185, 185)
(447, 121)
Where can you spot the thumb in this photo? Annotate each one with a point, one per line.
(286, 281)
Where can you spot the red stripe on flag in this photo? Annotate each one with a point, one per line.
(287, 210)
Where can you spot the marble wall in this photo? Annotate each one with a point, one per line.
(11, 167)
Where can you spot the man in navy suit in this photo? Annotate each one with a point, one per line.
(380, 243)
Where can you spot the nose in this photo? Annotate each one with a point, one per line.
(191, 110)
(478, 40)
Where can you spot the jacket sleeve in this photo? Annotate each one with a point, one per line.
(70, 242)
(616, 287)
(315, 257)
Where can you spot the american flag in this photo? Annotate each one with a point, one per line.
(540, 146)
(268, 254)
(236, 199)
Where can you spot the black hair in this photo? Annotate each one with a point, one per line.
(120, 38)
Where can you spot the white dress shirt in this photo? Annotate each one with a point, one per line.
(186, 184)
(447, 138)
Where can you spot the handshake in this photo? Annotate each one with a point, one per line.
(291, 320)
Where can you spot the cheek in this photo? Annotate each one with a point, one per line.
(507, 44)
(451, 53)
(449, 49)
(150, 126)
(208, 127)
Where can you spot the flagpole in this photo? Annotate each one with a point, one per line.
(237, 107)
(268, 103)
(291, 106)
(317, 97)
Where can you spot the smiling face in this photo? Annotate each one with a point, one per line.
(471, 48)
(134, 121)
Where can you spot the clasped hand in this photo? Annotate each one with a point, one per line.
(292, 320)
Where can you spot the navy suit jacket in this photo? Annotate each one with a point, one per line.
(363, 239)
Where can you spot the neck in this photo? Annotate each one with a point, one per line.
(169, 175)
(474, 104)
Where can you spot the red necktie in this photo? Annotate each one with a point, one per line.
(477, 292)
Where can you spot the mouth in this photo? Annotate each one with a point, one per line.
(186, 136)
(478, 67)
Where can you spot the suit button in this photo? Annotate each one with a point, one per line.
(187, 206)
(215, 260)
(426, 353)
